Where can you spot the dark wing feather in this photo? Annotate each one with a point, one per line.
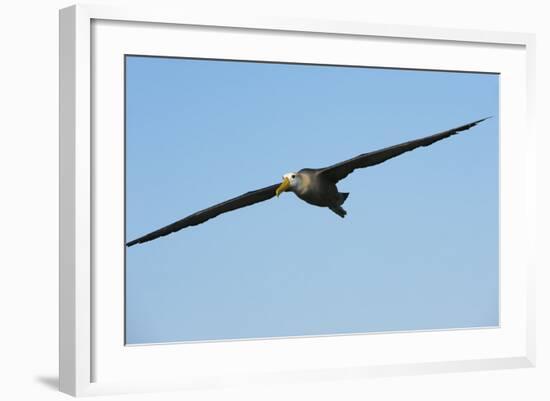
(341, 170)
(199, 217)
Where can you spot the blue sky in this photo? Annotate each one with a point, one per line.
(418, 249)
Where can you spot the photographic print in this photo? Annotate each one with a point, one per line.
(270, 200)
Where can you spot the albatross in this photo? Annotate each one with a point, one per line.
(316, 186)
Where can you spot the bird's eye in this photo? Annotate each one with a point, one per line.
(293, 176)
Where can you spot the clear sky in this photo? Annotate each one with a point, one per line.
(418, 249)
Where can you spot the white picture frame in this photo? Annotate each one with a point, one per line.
(93, 358)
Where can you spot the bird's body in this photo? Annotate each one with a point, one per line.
(314, 186)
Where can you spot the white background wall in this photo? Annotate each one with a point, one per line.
(29, 185)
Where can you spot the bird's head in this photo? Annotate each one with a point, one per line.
(290, 181)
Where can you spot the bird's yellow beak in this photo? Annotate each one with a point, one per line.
(283, 187)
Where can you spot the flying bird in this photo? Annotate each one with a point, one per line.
(314, 186)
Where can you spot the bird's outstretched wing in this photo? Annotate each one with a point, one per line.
(201, 216)
(341, 170)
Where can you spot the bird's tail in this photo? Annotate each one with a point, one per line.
(343, 197)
